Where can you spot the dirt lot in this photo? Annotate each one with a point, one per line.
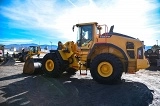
(140, 89)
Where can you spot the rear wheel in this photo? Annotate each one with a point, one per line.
(51, 65)
(149, 51)
(106, 68)
(21, 59)
(24, 58)
(157, 51)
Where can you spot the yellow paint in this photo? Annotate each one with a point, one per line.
(142, 64)
(70, 50)
(49, 65)
(105, 69)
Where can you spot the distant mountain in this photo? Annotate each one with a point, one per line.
(20, 46)
(49, 47)
(54, 47)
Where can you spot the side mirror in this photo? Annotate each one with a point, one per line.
(73, 28)
(99, 27)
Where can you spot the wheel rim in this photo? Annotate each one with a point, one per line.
(105, 69)
(49, 65)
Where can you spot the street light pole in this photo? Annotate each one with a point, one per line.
(51, 45)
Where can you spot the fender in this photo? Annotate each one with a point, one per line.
(106, 44)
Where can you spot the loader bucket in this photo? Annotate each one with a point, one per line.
(32, 66)
(9, 61)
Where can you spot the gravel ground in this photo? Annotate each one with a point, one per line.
(140, 89)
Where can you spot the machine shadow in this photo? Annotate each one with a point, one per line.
(12, 77)
(124, 93)
(70, 91)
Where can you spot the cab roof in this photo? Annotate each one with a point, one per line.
(89, 23)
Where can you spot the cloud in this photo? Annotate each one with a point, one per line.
(31, 14)
(129, 17)
(15, 41)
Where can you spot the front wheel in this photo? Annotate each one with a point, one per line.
(106, 68)
(51, 65)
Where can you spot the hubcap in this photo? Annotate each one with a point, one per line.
(49, 65)
(105, 69)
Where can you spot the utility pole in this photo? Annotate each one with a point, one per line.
(157, 42)
(51, 45)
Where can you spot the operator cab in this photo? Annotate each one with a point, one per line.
(84, 35)
(34, 49)
(88, 33)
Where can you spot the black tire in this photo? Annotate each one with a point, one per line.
(157, 51)
(115, 63)
(71, 71)
(21, 59)
(24, 58)
(149, 51)
(56, 71)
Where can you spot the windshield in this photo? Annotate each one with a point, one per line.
(84, 35)
(33, 49)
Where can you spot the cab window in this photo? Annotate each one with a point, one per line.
(85, 35)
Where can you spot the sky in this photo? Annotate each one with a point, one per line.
(50, 21)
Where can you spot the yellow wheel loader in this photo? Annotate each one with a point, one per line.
(32, 60)
(107, 55)
(5, 60)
